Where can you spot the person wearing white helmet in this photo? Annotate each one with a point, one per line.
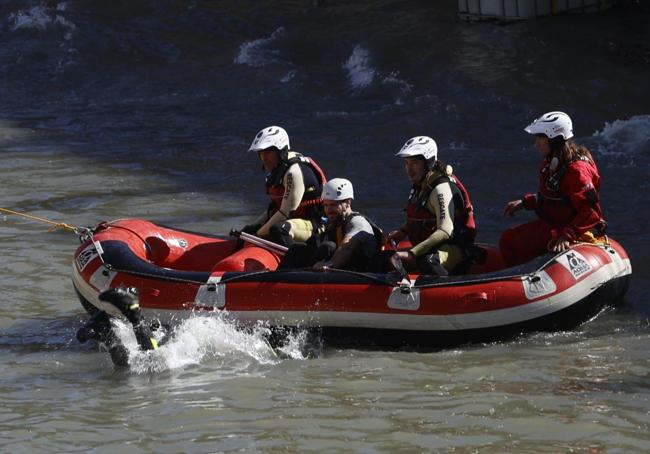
(567, 202)
(439, 214)
(351, 240)
(293, 183)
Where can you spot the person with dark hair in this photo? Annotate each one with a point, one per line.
(293, 183)
(439, 214)
(568, 200)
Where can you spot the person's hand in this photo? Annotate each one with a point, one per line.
(512, 207)
(396, 236)
(322, 265)
(406, 257)
(559, 244)
(403, 255)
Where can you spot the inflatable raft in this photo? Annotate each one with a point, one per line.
(180, 272)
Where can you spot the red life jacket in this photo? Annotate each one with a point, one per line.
(554, 203)
(313, 178)
(421, 223)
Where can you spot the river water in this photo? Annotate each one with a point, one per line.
(111, 110)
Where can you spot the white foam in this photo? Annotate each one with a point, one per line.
(293, 346)
(332, 113)
(258, 52)
(288, 77)
(360, 73)
(394, 79)
(631, 136)
(197, 339)
(41, 18)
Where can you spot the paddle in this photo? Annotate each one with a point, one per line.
(405, 285)
(260, 242)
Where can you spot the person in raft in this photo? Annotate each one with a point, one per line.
(293, 183)
(439, 214)
(351, 241)
(567, 203)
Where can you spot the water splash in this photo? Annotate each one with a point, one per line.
(288, 77)
(363, 76)
(259, 53)
(42, 18)
(394, 79)
(296, 345)
(360, 73)
(197, 339)
(629, 137)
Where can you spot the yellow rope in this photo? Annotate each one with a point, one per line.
(55, 225)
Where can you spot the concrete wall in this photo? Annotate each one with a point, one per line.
(526, 9)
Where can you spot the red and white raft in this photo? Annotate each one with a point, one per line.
(178, 272)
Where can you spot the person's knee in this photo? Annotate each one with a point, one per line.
(430, 264)
(452, 257)
(300, 229)
(508, 247)
(325, 250)
(281, 234)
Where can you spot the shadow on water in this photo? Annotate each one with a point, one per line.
(42, 335)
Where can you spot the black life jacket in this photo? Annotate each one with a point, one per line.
(313, 178)
(421, 223)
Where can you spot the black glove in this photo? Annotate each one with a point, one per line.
(251, 229)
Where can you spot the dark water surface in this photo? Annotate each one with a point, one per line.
(109, 109)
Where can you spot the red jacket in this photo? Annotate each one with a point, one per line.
(569, 199)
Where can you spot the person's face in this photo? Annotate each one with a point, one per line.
(415, 168)
(542, 144)
(335, 209)
(270, 158)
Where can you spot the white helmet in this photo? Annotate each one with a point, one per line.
(272, 136)
(337, 189)
(420, 146)
(552, 124)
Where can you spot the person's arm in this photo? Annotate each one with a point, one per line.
(398, 234)
(344, 253)
(441, 203)
(359, 231)
(294, 189)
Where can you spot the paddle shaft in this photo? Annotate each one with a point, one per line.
(397, 263)
(261, 242)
